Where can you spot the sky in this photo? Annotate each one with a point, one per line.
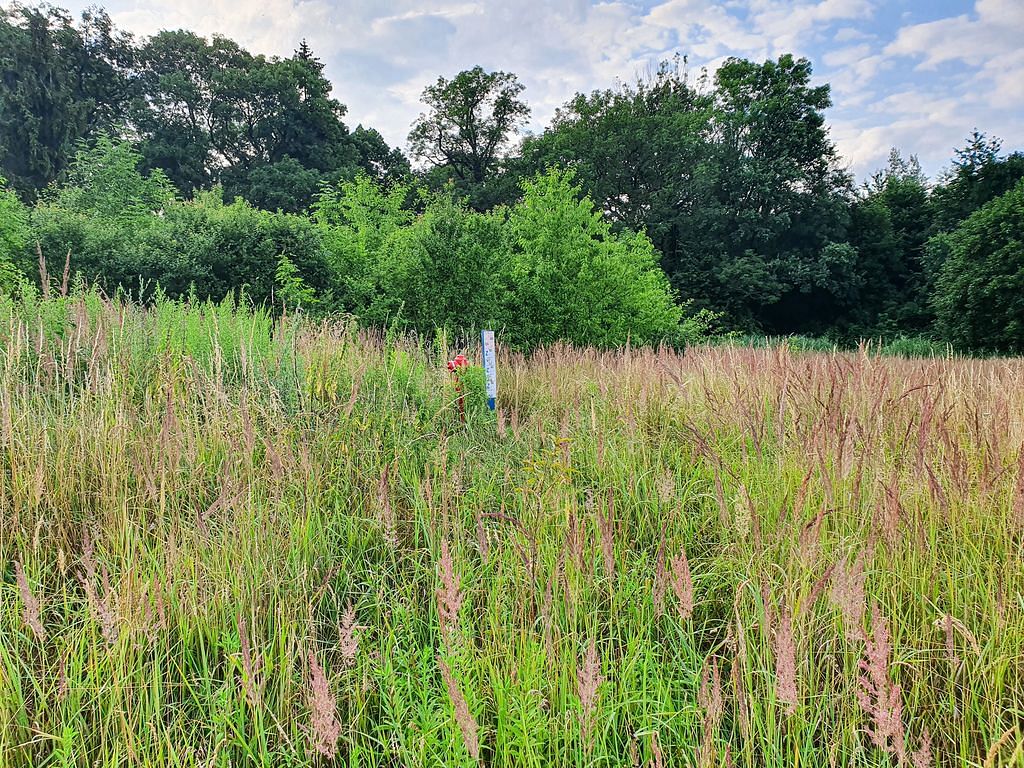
(918, 75)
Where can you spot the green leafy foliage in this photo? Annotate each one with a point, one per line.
(62, 82)
(979, 293)
(445, 270)
(357, 221)
(125, 228)
(572, 278)
(14, 235)
(731, 178)
(469, 124)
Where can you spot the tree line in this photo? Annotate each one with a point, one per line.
(676, 204)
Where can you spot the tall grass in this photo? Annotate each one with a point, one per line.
(228, 540)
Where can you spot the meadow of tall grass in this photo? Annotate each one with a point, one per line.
(230, 539)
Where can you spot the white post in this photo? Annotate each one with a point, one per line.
(490, 367)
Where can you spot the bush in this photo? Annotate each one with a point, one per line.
(356, 222)
(572, 278)
(439, 269)
(979, 292)
(13, 236)
(238, 247)
(444, 270)
(124, 229)
(109, 218)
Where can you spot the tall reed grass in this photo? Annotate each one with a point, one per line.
(233, 540)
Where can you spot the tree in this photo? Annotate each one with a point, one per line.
(60, 82)
(235, 247)
(470, 122)
(267, 129)
(107, 215)
(735, 181)
(783, 193)
(890, 222)
(637, 150)
(979, 293)
(570, 277)
(383, 164)
(978, 174)
(445, 270)
(357, 221)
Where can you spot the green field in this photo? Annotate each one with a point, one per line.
(229, 540)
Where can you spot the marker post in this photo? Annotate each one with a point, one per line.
(490, 367)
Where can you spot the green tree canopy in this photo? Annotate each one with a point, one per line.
(60, 82)
(468, 126)
(14, 235)
(735, 181)
(979, 293)
(267, 129)
(978, 174)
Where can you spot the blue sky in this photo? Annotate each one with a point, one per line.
(915, 74)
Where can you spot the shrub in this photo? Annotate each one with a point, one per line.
(444, 270)
(109, 218)
(570, 277)
(13, 236)
(356, 221)
(124, 229)
(236, 247)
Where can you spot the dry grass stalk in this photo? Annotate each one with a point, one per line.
(660, 581)
(710, 700)
(103, 607)
(348, 639)
(482, 542)
(384, 500)
(449, 595)
(888, 514)
(467, 724)
(810, 540)
(588, 681)
(324, 728)
(786, 690)
(1017, 505)
(848, 596)
(657, 757)
(252, 664)
(880, 698)
(682, 585)
(32, 608)
(922, 758)
(606, 528)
